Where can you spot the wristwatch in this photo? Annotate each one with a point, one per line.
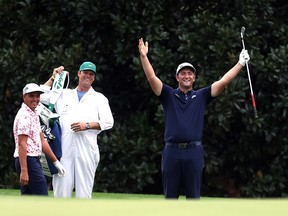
(88, 125)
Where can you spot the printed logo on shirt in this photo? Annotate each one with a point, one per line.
(65, 108)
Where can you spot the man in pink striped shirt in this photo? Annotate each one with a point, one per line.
(29, 143)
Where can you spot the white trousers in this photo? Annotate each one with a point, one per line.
(80, 159)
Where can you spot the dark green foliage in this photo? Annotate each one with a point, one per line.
(244, 156)
(128, 153)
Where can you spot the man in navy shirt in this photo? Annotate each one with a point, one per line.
(184, 109)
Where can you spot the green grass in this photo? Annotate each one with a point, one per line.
(106, 204)
(95, 195)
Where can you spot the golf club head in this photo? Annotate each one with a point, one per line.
(242, 31)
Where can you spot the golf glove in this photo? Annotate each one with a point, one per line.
(60, 168)
(244, 57)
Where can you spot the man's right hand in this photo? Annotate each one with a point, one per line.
(57, 71)
(24, 178)
(143, 48)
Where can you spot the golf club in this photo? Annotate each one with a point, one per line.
(248, 72)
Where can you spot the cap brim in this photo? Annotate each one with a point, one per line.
(40, 92)
(87, 69)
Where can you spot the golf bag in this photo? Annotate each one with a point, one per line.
(50, 125)
(53, 137)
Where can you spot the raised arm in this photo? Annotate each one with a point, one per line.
(155, 83)
(46, 87)
(51, 79)
(218, 86)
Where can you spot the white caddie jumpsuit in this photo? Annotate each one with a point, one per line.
(80, 152)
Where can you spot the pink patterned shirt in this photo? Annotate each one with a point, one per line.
(27, 122)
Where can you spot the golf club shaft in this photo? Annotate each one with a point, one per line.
(248, 73)
(251, 90)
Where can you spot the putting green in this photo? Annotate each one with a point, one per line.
(42, 206)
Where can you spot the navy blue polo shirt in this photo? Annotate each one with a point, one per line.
(184, 113)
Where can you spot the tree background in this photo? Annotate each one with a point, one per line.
(245, 157)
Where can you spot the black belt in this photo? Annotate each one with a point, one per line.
(32, 157)
(184, 145)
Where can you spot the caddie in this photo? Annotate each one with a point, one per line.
(84, 113)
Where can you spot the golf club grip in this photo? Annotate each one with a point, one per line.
(255, 113)
(254, 106)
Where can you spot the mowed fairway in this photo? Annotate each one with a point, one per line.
(140, 205)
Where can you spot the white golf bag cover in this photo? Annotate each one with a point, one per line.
(49, 119)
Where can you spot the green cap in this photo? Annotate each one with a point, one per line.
(88, 66)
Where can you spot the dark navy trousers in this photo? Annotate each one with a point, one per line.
(182, 166)
(37, 184)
